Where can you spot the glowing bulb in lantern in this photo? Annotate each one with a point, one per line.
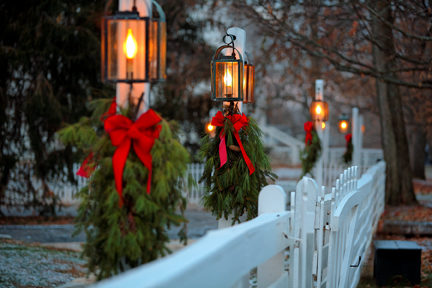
(318, 109)
(130, 45)
(228, 79)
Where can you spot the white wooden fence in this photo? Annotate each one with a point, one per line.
(320, 241)
(334, 165)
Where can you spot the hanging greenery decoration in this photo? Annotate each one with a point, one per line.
(236, 167)
(347, 156)
(312, 151)
(134, 192)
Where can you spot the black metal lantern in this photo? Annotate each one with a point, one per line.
(227, 73)
(319, 110)
(343, 124)
(134, 47)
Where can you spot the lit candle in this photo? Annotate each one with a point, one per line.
(130, 50)
(318, 109)
(228, 83)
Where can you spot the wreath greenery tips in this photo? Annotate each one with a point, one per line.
(232, 189)
(312, 151)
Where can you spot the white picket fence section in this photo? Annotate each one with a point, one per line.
(334, 164)
(320, 241)
(332, 168)
(196, 192)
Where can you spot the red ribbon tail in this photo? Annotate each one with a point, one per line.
(81, 172)
(222, 150)
(119, 161)
(245, 156)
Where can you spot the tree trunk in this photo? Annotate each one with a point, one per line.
(399, 187)
(417, 151)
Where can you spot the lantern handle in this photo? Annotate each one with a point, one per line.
(232, 38)
(159, 11)
(225, 47)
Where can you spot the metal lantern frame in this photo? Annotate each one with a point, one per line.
(344, 118)
(218, 59)
(324, 107)
(151, 25)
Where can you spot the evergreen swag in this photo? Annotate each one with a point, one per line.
(312, 150)
(347, 156)
(231, 190)
(119, 238)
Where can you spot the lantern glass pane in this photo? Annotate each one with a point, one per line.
(227, 79)
(248, 83)
(153, 50)
(319, 111)
(162, 50)
(126, 39)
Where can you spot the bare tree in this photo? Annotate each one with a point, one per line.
(386, 41)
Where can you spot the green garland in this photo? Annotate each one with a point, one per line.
(121, 238)
(312, 151)
(230, 190)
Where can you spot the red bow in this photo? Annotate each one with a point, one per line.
(348, 138)
(238, 121)
(87, 169)
(308, 126)
(142, 134)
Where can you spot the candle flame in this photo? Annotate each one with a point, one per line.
(228, 79)
(130, 45)
(318, 109)
(323, 125)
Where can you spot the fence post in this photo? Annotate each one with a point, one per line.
(272, 199)
(304, 229)
(356, 134)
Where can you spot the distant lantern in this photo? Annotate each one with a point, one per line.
(134, 47)
(343, 124)
(210, 128)
(227, 72)
(319, 110)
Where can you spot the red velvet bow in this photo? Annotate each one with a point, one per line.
(348, 138)
(87, 168)
(142, 134)
(238, 121)
(308, 126)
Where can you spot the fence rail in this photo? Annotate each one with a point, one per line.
(325, 236)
